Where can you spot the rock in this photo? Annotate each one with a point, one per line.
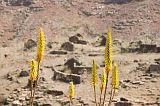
(117, 42)
(63, 101)
(67, 46)
(79, 35)
(80, 69)
(123, 104)
(136, 82)
(74, 39)
(82, 42)
(123, 99)
(16, 103)
(7, 101)
(29, 44)
(21, 98)
(154, 80)
(77, 39)
(70, 63)
(66, 77)
(2, 100)
(49, 45)
(117, 1)
(58, 52)
(102, 40)
(145, 48)
(19, 2)
(47, 104)
(135, 61)
(24, 74)
(54, 92)
(12, 78)
(154, 68)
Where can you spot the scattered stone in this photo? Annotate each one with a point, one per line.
(12, 78)
(123, 104)
(135, 61)
(47, 104)
(82, 42)
(2, 99)
(74, 39)
(70, 63)
(81, 69)
(123, 99)
(145, 48)
(49, 45)
(67, 46)
(58, 52)
(77, 39)
(54, 92)
(148, 78)
(96, 54)
(29, 44)
(136, 82)
(66, 77)
(63, 102)
(154, 80)
(24, 74)
(21, 98)
(154, 68)
(102, 40)
(16, 103)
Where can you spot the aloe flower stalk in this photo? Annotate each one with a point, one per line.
(32, 77)
(94, 79)
(40, 45)
(108, 59)
(103, 82)
(40, 51)
(33, 71)
(114, 83)
(71, 91)
(108, 52)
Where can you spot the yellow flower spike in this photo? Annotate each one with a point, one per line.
(108, 52)
(94, 74)
(33, 71)
(40, 45)
(103, 80)
(71, 90)
(115, 81)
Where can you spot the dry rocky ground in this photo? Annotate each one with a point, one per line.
(75, 32)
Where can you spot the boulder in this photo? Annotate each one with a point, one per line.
(77, 39)
(102, 40)
(29, 44)
(24, 73)
(67, 46)
(74, 39)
